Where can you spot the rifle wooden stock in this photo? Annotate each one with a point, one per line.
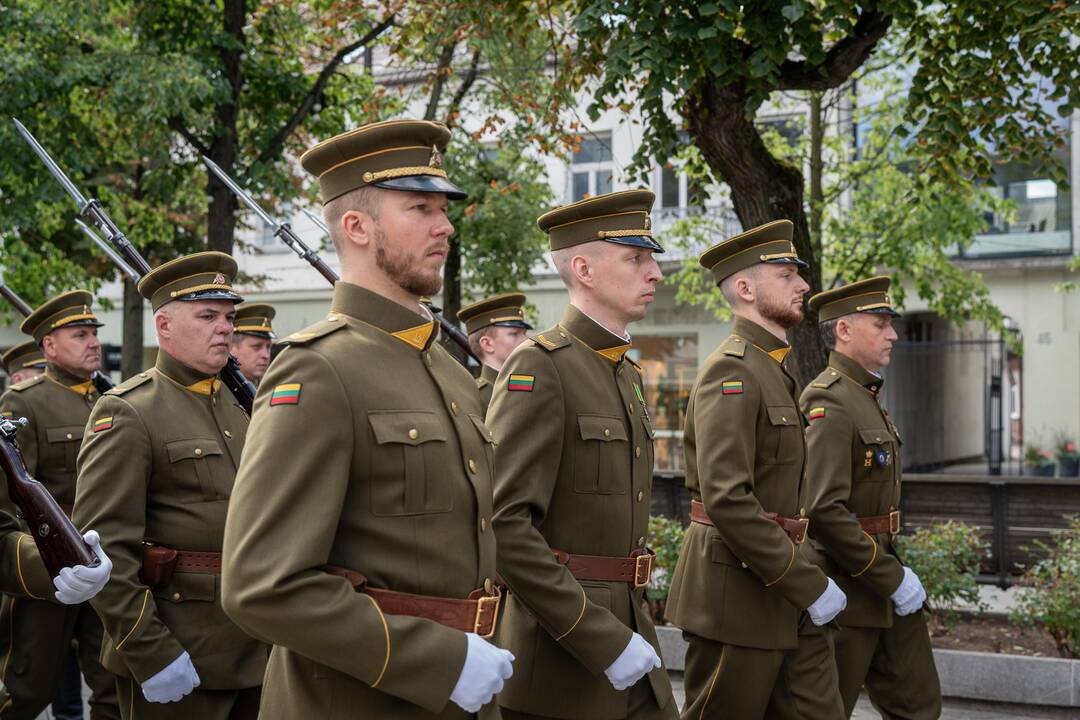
(57, 540)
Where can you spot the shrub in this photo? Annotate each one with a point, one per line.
(665, 539)
(946, 557)
(1052, 591)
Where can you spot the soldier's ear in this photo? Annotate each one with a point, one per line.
(581, 268)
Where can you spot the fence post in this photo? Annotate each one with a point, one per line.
(999, 518)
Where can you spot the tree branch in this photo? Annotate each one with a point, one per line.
(195, 142)
(441, 72)
(463, 90)
(844, 58)
(273, 147)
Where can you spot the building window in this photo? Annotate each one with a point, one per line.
(591, 168)
(669, 366)
(265, 240)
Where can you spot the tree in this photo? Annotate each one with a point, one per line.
(987, 81)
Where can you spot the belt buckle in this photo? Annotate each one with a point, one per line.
(894, 522)
(478, 621)
(643, 569)
(804, 525)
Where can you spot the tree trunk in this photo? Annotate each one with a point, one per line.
(131, 354)
(221, 213)
(763, 189)
(817, 169)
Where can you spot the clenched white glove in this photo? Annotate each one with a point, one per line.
(911, 594)
(830, 604)
(633, 663)
(174, 682)
(78, 584)
(486, 668)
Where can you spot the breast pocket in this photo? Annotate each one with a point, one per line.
(783, 446)
(878, 455)
(191, 463)
(601, 456)
(488, 439)
(647, 450)
(408, 463)
(64, 444)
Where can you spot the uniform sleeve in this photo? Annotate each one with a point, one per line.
(528, 431)
(114, 469)
(828, 475)
(283, 515)
(724, 426)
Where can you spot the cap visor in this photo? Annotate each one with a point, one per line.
(426, 184)
(211, 295)
(788, 261)
(641, 241)
(73, 323)
(515, 323)
(883, 311)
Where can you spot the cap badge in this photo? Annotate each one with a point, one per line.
(648, 222)
(219, 279)
(436, 158)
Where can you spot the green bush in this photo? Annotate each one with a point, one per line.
(946, 557)
(665, 539)
(1052, 591)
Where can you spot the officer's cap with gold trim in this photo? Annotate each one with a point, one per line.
(22, 356)
(500, 310)
(66, 310)
(768, 243)
(202, 276)
(254, 319)
(395, 154)
(619, 217)
(865, 296)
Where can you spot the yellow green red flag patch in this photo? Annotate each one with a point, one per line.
(521, 383)
(817, 413)
(732, 387)
(103, 424)
(288, 394)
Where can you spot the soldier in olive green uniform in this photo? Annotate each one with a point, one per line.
(742, 581)
(574, 459)
(853, 473)
(359, 538)
(22, 362)
(252, 337)
(495, 325)
(155, 474)
(36, 634)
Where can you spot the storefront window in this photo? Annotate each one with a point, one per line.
(669, 366)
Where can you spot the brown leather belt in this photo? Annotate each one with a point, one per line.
(203, 563)
(475, 614)
(794, 527)
(881, 524)
(636, 569)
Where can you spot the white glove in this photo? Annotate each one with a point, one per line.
(78, 584)
(636, 659)
(911, 595)
(830, 604)
(482, 676)
(174, 682)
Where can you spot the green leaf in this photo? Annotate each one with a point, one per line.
(707, 33)
(708, 9)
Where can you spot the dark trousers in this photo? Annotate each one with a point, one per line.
(642, 706)
(200, 704)
(67, 703)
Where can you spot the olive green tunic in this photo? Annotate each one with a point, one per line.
(158, 464)
(574, 460)
(367, 450)
(486, 384)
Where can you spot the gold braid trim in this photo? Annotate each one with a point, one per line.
(623, 233)
(872, 558)
(200, 288)
(374, 177)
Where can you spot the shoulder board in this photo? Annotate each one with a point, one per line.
(482, 382)
(131, 383)
(825, 379)
(552, 339)
(632, 363)
(36, 380)
(734, 346)
(312, 333)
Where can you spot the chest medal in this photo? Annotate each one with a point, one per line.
(883, 458)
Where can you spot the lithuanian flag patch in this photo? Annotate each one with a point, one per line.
(521, 383)
(732, 387)
(288, 394)
(816, 413)
(102, 424)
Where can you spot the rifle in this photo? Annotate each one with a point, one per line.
(293, 241)
(101, 381)
(58, 542)
(91, 210)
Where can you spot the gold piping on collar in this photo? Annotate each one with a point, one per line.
(416, 337)
(614, 354)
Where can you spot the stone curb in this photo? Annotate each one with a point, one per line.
(973, 675)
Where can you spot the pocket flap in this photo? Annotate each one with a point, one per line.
(720, 553)
(186, 449)
(648, 426)
(482, 429)
(875, 436)
(406, 428)
(783, 415)
(67, 433)
(601, 427)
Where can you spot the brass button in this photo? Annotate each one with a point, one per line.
(472, 465)
(562, 334)
(453, 407)
(333, 318)
(783, 419)
(142, 375)
(637, 451)
(213, 399)
(744, 565)
(878, 439)
(69, 436)
(489, 586)
(641, 541)
(607, 433)
(483, 524)
(833, 372)
(802, 512)
(227, 434)
(176, 596)
(630, 407)
(198, 451)
(640, 495)
(413, 434)
(427, 359)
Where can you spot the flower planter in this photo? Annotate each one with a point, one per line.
(1068, 465)
(1042, 470)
